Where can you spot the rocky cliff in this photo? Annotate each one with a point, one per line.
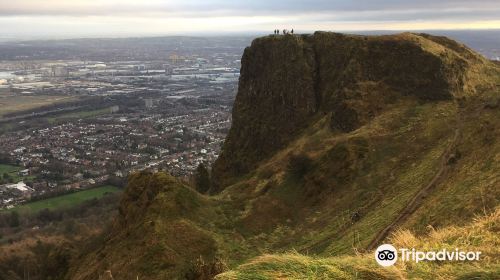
(289, 81)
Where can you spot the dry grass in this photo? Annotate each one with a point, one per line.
(481, 235)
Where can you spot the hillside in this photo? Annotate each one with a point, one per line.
(296, 266)
(337, 142)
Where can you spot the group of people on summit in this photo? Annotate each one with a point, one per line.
(285, 32)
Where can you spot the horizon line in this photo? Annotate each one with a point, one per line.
(28, 38)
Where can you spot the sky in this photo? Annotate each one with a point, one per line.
(119, 18)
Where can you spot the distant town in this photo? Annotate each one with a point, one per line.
(92, 120)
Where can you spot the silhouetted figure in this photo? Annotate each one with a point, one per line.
(292, 31)
(284, 31)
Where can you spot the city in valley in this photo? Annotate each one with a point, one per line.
(77, 114)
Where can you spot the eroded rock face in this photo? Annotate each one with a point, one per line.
(288, 81)
(276, 97)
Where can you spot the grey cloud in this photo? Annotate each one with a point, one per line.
(423, 15)
(358, 10)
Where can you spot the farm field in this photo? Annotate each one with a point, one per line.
(65, 200)
(13, 103)
(80, 115)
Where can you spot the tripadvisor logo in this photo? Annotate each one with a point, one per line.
(387, 255)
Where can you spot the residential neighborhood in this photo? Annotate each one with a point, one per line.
(110, 117)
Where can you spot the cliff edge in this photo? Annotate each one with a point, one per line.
(288, 81)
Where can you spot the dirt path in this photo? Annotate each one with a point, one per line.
(418, 199)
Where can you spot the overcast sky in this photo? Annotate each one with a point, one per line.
(82, 18)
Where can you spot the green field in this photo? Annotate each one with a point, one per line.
(11, 103)
(80, 115)
(13, 172)
(67, 200)
(5, 168)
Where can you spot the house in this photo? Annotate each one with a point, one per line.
(24, 172)
(21, 186)
(78, 176)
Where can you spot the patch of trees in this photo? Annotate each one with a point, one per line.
(50, 259)
(45, 261)
(5, 159)
(202, 179)
(11, 220)
(120, 182)
(6, 178)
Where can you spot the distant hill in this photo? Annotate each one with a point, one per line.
(338, 142)
(484, 41)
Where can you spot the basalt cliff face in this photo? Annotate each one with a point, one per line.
(287, 82)
(338, 142)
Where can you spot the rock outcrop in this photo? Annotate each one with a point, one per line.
(288, 81)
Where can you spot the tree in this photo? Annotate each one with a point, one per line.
(14, 219)
(4, 158)
(45, 215)
(202, 179)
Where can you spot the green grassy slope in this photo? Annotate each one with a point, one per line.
(374, 172)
